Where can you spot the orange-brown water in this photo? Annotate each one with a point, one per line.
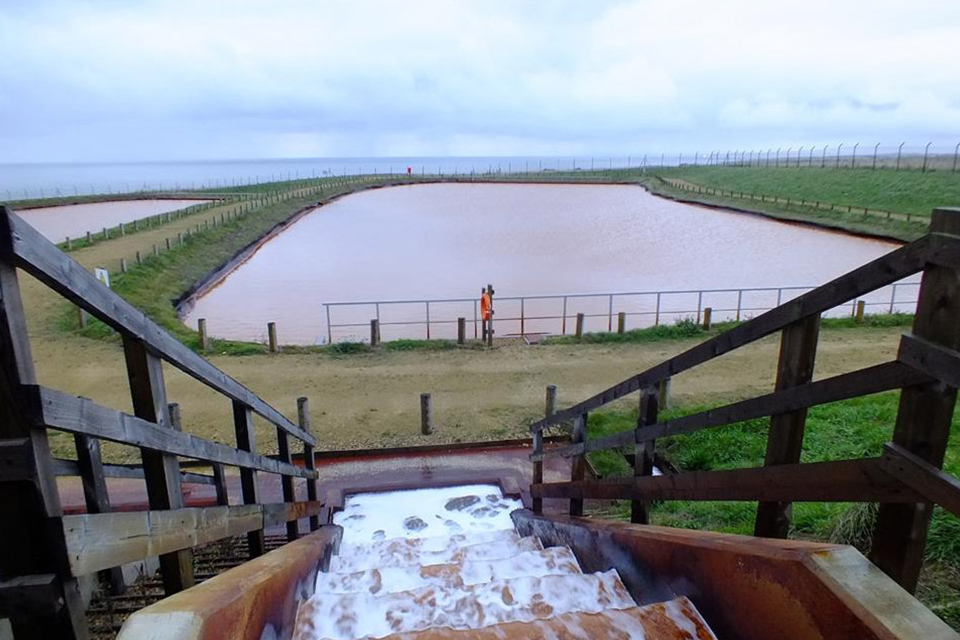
(448, 240)
(74, 220)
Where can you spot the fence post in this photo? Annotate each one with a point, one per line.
(861, 305)
(621, 322)
(923, 418)
(272, 336)
(202, 330)
(309, 461)
(139, 259)
(549, 410)
(663, 394)
(426, 415)
(286, 482)
(374, 332)
(81, 318)
(707, 318)
(246, 441)
(461, 330)
(578, 463)
(123, 265)
(160, 471)
(643, 451)
(798, 351)
(579, 330)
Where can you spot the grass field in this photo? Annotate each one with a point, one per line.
(898, 191)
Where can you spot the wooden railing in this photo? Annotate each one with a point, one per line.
(907, 480)
(42, 551)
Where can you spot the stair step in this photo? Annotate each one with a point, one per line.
(673, 620)
(412, 556)
(359, 615)
(551, 561)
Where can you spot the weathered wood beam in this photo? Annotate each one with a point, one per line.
(921, 476)
(41, 258)
(63, 467)
(875, 379)
(932, 359)
(844, 481)
(250, 488)
(59, 410)
(885, 270)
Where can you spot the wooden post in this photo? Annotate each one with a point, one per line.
(643, 452)
(90, 466)
(139, 259)
(69, 244)
(156, 250)
(426, 414)
(374, 332)
(663, 394)
(81, 318)
(578, 463)
(272, 336)
(286, 482)
(861, 306)
(202, 330)
(179, 238)
(798, 351)
(621, 322)
(31, 530)
(123, 265)
(550, 407)
(579, 331)
(309, 461)
(707, 318)
(461, 330)
(220, 484)
(161, 471)
(246, 440)
(923, 418)
(167, 240)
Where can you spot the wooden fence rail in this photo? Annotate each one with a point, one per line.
(44, 552)
(907, 480)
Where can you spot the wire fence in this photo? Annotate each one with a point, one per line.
(520, 316)
(45, 181)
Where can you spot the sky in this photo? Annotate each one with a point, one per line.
(142, 80)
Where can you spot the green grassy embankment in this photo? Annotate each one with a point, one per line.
(904, 192)
(843, 430)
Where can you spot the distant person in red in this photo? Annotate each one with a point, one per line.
(486, 310)
(409, 170)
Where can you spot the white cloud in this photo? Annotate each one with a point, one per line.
(188, 79)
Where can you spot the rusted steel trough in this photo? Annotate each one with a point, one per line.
(746, 588)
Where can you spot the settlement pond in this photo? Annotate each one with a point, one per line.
(75, 220)
(438, 241)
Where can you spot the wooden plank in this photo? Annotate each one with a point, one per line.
(100, 541)
(932, 359)
(945, 248)
(286, 482)
(643, 450)
(30, 545)
(59, 410)
(220, 482)
(37, 595)
(39, 257)
(286, 512)
(64, 467)
(246, 441)
(881, 377)
(843, 481)
(578, 466)
(161, 471)
(924, 478)
(16, 460)
(883, 271)
(90, 470)
(924, 416)
(309, 458)
(798, 352)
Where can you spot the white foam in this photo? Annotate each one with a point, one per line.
(425, 513)
(492, 550)
(359, 615)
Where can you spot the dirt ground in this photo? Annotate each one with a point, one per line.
(373, 399)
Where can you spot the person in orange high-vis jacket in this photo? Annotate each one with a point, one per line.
(486, 312)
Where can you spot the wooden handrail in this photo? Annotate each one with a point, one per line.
(42, 259)
(59, 410)
(883, 271)
(921, 476)
(881, 377)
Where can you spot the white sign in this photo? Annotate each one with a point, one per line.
(102, 275)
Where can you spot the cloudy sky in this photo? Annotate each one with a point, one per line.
(106, 80)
